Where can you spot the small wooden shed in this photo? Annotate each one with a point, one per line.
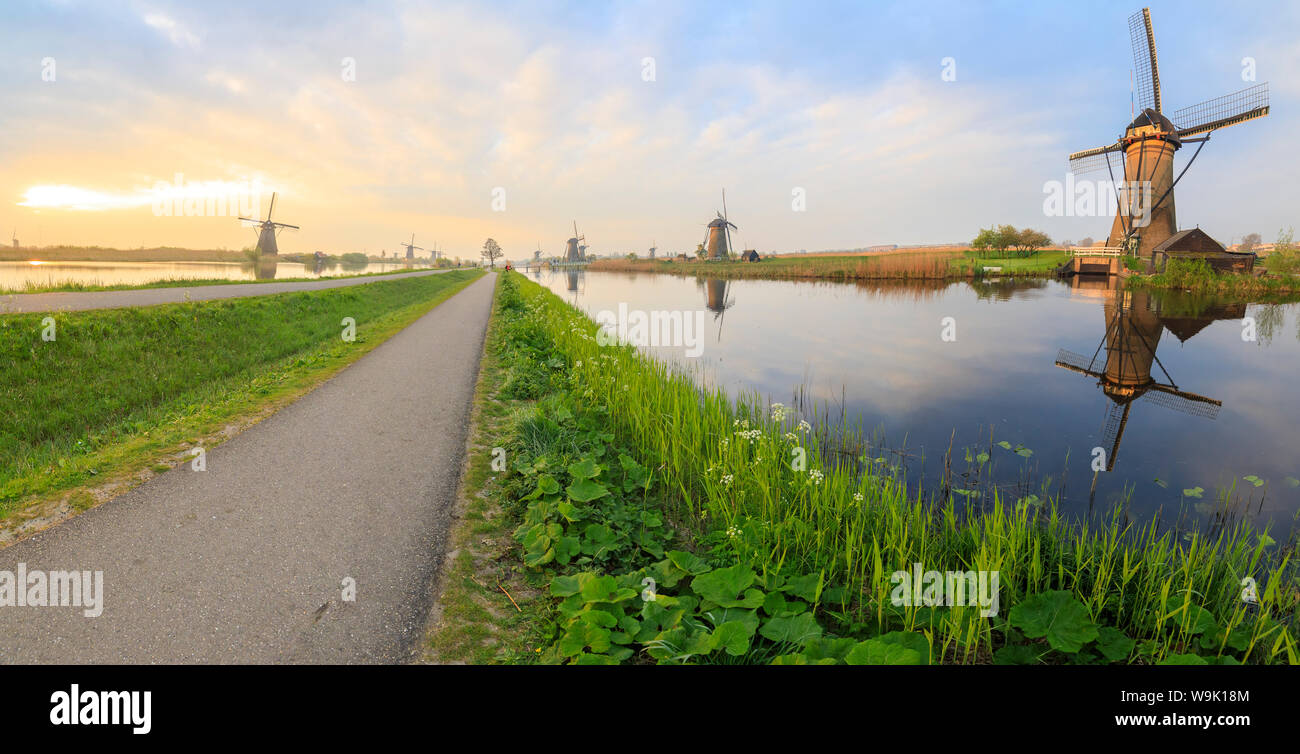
(749, 255)
(1195, 243)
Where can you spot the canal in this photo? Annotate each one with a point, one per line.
(1161, 405)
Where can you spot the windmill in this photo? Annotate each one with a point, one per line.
(1145, 152)
(717, 239)
(652, 249)
(574, 252)
(15, 235)
(537, 255)
(411, 247)
(267, 230)
(1133, 331)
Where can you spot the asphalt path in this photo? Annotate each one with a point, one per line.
(247, 561)
(16, 303)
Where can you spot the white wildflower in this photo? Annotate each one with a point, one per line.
(857, 497)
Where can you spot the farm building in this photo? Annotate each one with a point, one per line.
(1195, 243)
(749, 255)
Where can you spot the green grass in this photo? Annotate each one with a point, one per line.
(74, 286)
(118, 388)
(726, 473)
(1197, 276)
(1041, 263)
(922, 264)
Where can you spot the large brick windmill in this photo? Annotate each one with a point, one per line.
(1145, 153)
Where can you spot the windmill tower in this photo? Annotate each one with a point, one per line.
(267, 230)
(1145, 153)
(652, 250)
(574, 252)
(717, 239)
(15, 239)
(537, 255)
(1133, 331)
(411, 247)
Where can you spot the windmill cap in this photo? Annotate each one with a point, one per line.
(1149, 117)
(718, 223)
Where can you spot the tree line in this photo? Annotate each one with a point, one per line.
(1004, 238)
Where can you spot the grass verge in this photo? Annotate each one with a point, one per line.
(119, 393)
(79, 287)
(669, 524)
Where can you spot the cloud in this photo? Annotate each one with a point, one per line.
(174, 31)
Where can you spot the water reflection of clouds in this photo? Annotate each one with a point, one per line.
(880, 353)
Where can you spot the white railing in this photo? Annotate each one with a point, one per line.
(1096, 251)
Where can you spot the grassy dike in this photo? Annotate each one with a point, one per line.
(120, 393)
(641, 519)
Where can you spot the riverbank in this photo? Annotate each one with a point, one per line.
(103, 399)
(659, 522)
(920, 264)
(71, 286)
(105, 254)
(1197, 277)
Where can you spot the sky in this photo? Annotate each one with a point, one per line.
(830, 125)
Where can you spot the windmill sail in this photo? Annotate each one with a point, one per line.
(1099, 158)
(1220, 112)
(1146, 72)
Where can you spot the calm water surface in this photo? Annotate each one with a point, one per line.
(1165, 385)
(17, 275)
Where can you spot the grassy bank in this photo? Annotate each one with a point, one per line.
(669, 524)
(1197, 276)
(117, 391)
(79, 287)
(106, 254)
(923, 264)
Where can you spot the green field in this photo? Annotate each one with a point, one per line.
(761, 550)
(117, 389)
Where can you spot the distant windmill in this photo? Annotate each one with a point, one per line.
(1132, 333)
(15, 235)
(411, 247)
(717, 239)
(267, 230)
(537, 255)
(1145, 152)
(574, 252)
(652, 250)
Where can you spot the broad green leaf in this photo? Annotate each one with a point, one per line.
(584, 469)
(584, 491)
(1015, 654)
(1057, 616)
(734, 637)
(877, 652)
(688, 562)
(1113, 644)
(797, 629)
(726, 586)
